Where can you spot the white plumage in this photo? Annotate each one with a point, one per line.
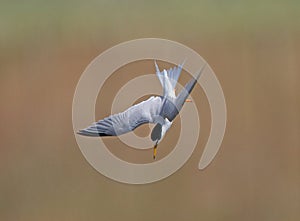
(159, 110)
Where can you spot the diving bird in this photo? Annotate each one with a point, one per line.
(159, 110)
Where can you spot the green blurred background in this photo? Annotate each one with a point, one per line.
(253, 47)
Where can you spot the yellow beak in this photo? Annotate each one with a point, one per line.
(154, 151)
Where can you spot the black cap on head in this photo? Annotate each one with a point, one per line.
(156, 132)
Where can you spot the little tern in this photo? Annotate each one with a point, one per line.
(159, 110)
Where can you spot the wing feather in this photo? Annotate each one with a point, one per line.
(126, 121)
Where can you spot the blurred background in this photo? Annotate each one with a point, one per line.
(254, 49)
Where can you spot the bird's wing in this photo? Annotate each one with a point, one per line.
(168, 79)
(124, 122)
(185, 92)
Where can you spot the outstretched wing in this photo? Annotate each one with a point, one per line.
(185, 92)
(124, 122)
(168, 79)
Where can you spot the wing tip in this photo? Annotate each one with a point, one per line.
(201, 71)
(90, 134)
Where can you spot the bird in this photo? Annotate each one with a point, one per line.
(159, 110)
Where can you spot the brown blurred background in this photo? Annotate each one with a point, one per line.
(253, 47)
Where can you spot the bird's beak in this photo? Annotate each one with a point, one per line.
(154, 151)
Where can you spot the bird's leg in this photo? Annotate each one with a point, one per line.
(188, 100)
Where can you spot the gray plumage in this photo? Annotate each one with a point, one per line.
(160, 110)
(117, 124)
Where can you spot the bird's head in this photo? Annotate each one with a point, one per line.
(158, 133)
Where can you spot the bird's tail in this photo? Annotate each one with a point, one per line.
(168, 78)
